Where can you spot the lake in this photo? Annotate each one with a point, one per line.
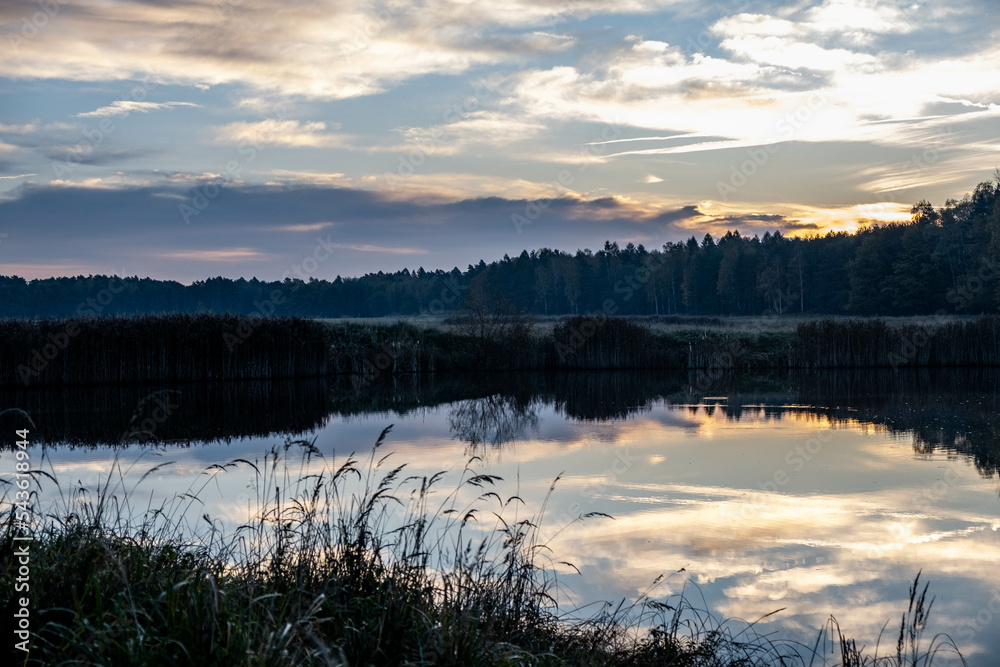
(814, 493)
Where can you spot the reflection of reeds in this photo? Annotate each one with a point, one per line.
(942, 409)
(168, 413)
(325, 572)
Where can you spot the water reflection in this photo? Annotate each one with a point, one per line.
(180, 414)
(493, 420)
(821, 493)
(944, 410)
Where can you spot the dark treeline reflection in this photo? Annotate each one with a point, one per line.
(952, 410)
(945, 409)
(169, 414)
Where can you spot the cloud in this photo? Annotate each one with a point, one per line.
(325, 49)
(18, 128)
(423, 187)
(770, 79)
(791, 53)
(126, 107)
(266, 105)
(696, 222)
(685, 213)
(32, 270)
(114, 182)
(479, 129)
(365, 247)
(222, 255)
(671, 137)
(96, 222)
(858, 19)
(280, 132)
(766, 221)
(310, 227)
(646, 123)
(857, 23)
(96, 156)
(967, 103)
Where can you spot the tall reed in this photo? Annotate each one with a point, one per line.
(226, 347)
(167, 348)
(874, 343)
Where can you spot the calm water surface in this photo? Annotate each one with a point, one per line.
(817, 494)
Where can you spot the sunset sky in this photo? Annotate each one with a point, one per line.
(185, 139)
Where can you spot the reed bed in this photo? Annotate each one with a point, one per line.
(595, 342)
(356, 563)
(167, 348)
(371, 349)
(874, 343)
(173, 348)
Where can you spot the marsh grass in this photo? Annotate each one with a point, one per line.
(354, 562)
(909, 649)
(169, 348)
(182, 348)
(878, 343)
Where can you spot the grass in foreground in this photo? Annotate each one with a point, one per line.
(326, 576)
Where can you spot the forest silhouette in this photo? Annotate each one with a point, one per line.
(944, 260)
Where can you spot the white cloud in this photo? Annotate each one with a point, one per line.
(18, 128)
(855, 23)
(221, 255)
(285, 176)
(791, 53)
(305, 227)
(388, 250)
(476, 129)
(125, 107)
(326, 49)
(812, 71)
(267, 105)
(863, 17)
(427, 187)
(281, 132)
(786, 78)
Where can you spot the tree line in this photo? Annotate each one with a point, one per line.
(944, 259)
